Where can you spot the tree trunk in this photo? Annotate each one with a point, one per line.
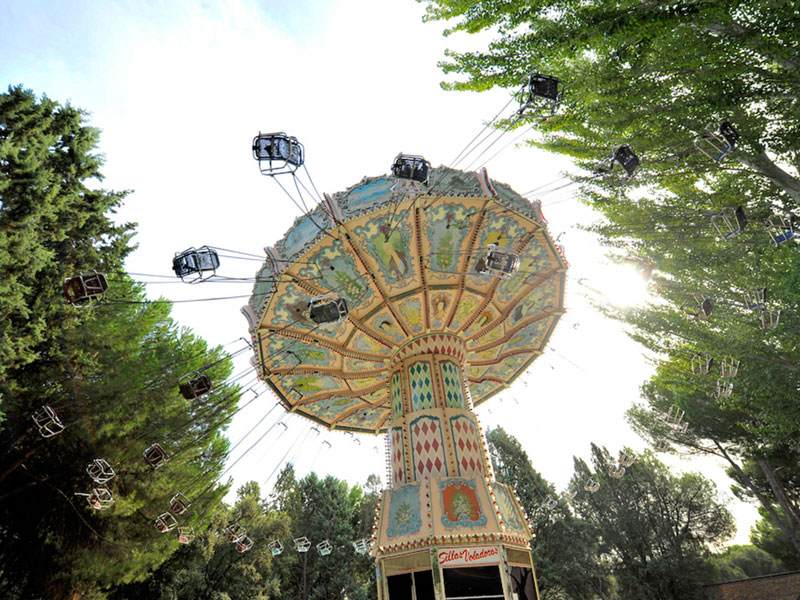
(779, 490)
(19, 462)
(784, 527)
(763, 164)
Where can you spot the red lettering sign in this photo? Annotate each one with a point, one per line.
(474, 555)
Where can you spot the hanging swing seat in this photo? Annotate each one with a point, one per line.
(616, 472)
(277, 153)
(782, 229)
(85, 288)
(275, 547)
(716, 146)
(730, 222)
(626, 459)
(702, 363)
(769, 319)
(100, 498)
(541, 94)
(591, 485)
(327, 309)
(626, 158)
(697, 307)
(155, 455)
(324, 548)
(361, 546)
(196, 264)
(179, 504)
(194, 385)
(235, 532)
(100, 471)
(185, 535)
(413, 167)
(500, 263)
(244, 544)
(755, 299)
(301, 544)
(729, 367)
(674, 415)
(165, 522)
(46, 419)
(724, 389)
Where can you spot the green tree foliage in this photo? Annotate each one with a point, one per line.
(565, 550)
(655, 75)
(743, 562)
(211, 568)
(110, 371)
(644, 535)
(653, 526)
(51, 225)
(325, 509)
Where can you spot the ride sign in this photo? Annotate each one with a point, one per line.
(474, 555)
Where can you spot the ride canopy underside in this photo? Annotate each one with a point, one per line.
(410, 261)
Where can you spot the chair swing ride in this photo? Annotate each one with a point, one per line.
(399, 322)
(405, 301)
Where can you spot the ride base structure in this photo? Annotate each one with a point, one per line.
(441, 293)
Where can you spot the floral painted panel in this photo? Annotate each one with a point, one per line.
(460, 504)
(404, 511)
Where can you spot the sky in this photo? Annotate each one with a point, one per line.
(180, 88)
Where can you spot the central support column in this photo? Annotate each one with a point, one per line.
(446, 528)
(433, 432)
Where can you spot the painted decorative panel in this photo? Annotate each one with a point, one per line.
(389, 244)
(453, 392)
(460, 504)
(404, 513)
(508, 508)
(365, 417)
(397, 396)
(398, 456)
(427, 447)
(447, 228)
(467, 441)
(411, 310)
(329, 408)
(419, 376)
(333, 268)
